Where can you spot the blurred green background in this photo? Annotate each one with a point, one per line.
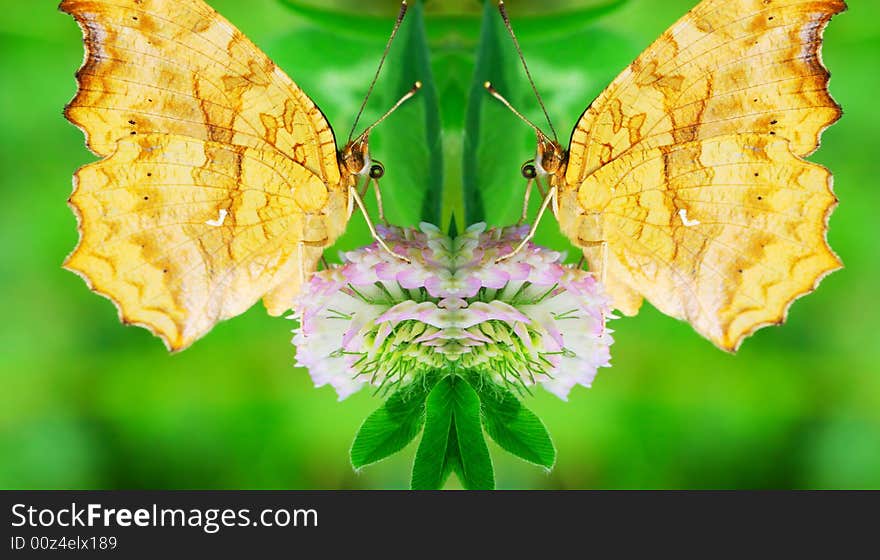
(88, 403)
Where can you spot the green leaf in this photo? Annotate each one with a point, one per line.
(452, 460)
(476, 471)
(428, 176)
(492, 140)
(452, 63)
(452, 440)
(515, 428)
(391, 427)
(430, 468)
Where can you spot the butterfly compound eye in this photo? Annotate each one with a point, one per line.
(528, 171)
(377, 171)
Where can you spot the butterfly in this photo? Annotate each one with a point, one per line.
(221, 182)
(685, 183)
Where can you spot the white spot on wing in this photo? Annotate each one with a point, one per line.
(809, 33)
(98, 35)
(219, 221)
(683, 214)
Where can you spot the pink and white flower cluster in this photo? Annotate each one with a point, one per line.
(524, 320)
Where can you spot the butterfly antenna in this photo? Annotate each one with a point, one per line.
(494, 93)
(503, 11)
(400, 16)
(406, 96)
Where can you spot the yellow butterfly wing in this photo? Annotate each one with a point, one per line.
(689, 167)
(220, 183)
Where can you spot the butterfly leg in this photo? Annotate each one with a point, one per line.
(603, 247)
(378, 193)
(360, 203)
(349, 204)
(525, 208)
(551, 195)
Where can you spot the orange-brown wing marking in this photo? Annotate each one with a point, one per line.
(179, 242)
(730, 86)
(726, 241)
(178, 67)
(220, 184)
(750, 66)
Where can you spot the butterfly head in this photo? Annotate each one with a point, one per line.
(550, 157)
(355, 161)
(354, 158)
